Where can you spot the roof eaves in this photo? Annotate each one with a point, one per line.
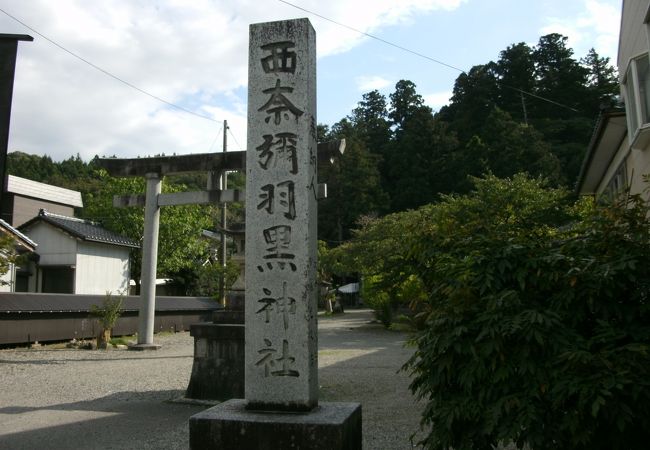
(599, 129)
(25, 240)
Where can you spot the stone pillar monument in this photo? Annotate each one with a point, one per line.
(281, 335)
(281, 409)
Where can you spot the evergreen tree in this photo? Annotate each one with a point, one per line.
(370, 120)
(417, 159)
(372, 127)
(602, 80)
(516, 72)
(475, 94)
(404, 103)
(559, 78)
(510, 147)
(354, 187)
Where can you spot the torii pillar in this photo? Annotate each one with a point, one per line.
(153, 170)
(149, 263)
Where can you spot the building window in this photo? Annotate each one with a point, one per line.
(22, 281)
(58, 279)
(617, 185)
(637, 94)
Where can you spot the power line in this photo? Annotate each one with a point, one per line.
(437, 61)
(215, 138)
(105, 72)
(235, 139)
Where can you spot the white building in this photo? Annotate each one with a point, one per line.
(77, 256)
(618, 157)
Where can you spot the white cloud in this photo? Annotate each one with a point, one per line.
(597, 26)
(369, 83)
(437, 100)
(190, 53)
(367, 16)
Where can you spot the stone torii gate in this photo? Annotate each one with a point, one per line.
(153, 170)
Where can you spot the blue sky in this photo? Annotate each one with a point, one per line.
(194, 54)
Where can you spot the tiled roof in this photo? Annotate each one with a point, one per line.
(82, 229)
(34, 189)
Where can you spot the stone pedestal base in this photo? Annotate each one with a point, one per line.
(142, 347)
(230, 426)
(218, 369)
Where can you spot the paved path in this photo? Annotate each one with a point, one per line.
(59, 399)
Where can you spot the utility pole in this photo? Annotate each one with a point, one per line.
(523, 105)
(223, 185)
(8, 50)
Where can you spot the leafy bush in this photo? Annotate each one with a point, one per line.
(378, 253)
(377, 299)
(109, 312)
(537, 330)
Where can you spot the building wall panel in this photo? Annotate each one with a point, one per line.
(54, 246)
(25, 208)
(102, 268)
(634, 38)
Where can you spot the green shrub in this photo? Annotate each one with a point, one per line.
(109, 312)
(377, 299)
(538, 328)
(107, 316)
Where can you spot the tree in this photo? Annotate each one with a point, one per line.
(370, 121)
(377, 253)
(415, 162)
(507, 147)
(372, 127)
(538, 325)
(474, 96)
(404, 103)
(419, 162)
(559, 78)
(179, 243)
(602, 80)
(206, 278)
(354, 187)
(516, 73)
(8, 255)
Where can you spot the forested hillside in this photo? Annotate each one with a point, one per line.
(533, 110)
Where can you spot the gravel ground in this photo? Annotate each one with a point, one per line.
(59, 399)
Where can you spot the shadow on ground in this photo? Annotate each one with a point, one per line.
(122, 420)
(359, 362)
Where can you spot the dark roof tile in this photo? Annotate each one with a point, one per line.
(83, 229)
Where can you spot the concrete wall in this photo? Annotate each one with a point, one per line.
(101, 268)
(61, 326)
(25, 208)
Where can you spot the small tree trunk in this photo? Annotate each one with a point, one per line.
(104, 338)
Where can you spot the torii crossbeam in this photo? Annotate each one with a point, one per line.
(153, 169)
